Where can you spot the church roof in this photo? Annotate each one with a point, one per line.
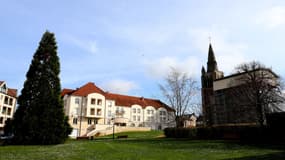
(238, 74)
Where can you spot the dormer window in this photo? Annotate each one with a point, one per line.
(3, 89)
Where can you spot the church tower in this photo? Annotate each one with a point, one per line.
(207, 80)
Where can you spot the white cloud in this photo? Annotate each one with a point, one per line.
(228, 53)
(161, 67)
(272, 17)
(119, 86)
(85, 44)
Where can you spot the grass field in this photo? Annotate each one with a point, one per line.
(144, 145)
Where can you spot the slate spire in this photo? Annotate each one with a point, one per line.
(212, 63)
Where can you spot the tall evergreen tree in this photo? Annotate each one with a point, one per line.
(39, 118)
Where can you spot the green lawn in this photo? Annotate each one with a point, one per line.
(143, 145)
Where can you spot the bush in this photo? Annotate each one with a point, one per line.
(181, 133)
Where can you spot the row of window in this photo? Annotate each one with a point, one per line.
(2, 120)
(92, 111)
(136, 110)
(7, 100)
(149, 111)
(6, 110)
(135, 118)
(89, 121)
(93, 101)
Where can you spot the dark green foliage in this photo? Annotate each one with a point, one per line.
(181, 133)
(39, 118)
(8, 127)
(275, 119)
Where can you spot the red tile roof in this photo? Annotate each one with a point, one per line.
(12, 92)
(120, 100)
(66, 91)
(84, 90)
(124, 100)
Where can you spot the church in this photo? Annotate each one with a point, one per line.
(219, 106)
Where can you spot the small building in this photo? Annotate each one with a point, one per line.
(90, 108)
(8, 100)
(189, 120)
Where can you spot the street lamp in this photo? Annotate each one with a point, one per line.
(113, 119)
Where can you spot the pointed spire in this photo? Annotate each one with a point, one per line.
(212, 63)
(211, 54)
(203, 71)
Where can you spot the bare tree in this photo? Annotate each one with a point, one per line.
(258, 87)
(179, 91)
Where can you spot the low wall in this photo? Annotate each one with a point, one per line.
(119, 129)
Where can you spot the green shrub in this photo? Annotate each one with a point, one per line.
(181, 133)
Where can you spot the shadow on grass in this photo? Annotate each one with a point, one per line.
(198, 144)
(272, 156)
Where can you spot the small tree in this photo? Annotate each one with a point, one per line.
(179, 91)
(259, 87)
(39, 118)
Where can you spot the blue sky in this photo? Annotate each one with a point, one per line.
(128, 46)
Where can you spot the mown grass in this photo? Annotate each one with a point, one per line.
(144, 145)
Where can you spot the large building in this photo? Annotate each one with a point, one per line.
(8, 98)
(224, 98)
(100, 110)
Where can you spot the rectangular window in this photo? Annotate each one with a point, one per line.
(109, 113)
(148, 111)
(148, 119)
(74, 120)
(99, 112)
(77, 100)
(4, 110)
(162, 119)
(92, 111)
(6, 100)
(89, 121)
(95, 121)
(139, 110)
(11, 101)
(99, 102)
(139, 118)
(93, 100)
(162, 113)
(1, 120)
(9, 111)
(134, 118)
(109, 104)
(134, 110)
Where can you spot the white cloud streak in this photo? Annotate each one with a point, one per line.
(272, 17)
(119, 86)
(85, 44)
(159, 68)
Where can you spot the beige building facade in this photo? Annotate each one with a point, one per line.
(90, 109)
(8, 100)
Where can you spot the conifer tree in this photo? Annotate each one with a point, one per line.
(40, 118)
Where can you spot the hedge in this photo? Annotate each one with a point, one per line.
(244, 133)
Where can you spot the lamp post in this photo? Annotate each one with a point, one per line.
(113, 119)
